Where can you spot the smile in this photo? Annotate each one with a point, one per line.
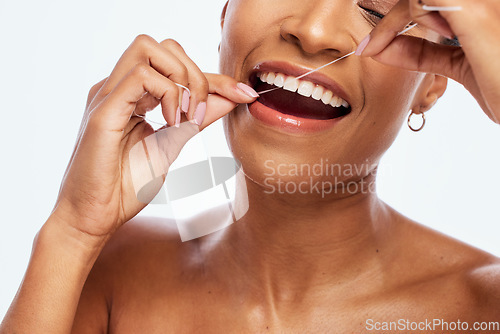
(311, 104)
(303, 87)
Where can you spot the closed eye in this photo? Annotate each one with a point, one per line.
(373, 13)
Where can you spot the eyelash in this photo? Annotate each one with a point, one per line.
(373, 13)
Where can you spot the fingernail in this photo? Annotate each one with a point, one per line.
(362, 45)
(185, 101)
(178, 118)
(247, 90)
(199, 113)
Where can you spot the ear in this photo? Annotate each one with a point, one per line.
(223, 15)
(431, 89)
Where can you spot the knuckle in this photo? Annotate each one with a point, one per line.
(172, 44)
(171, 90)
(202, 85)
(141, 70)
(95, 88)
(92, 93)
(143, 41)
(183, 73)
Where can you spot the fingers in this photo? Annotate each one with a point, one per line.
(94, 90)
(115, 111)
(145, 59)
(201, 84)
(394, 22)
(146, 104)
(196, 81)
(229, 88)
(388, 29)
(225, 94)
(217, 107)
(416, 54)
(144, 49)
(434, 21)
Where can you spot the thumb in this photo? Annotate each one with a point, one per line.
(217, 107)
(151, 157)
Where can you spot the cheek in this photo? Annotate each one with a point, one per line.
(247, 24)
(234, 42)
(389, 94)
(388, 87)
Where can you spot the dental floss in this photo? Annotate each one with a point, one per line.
(429, 8)
(330, 63)
(334, 61)
(268, 90)
(312, 71)
(147, 119)
(151, 121)
(181, 86)
(305, 74)
(410, 27)
(442, 9)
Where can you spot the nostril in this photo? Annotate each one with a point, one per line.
(292, 39)
(316, 31)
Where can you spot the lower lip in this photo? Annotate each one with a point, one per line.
(290, 123)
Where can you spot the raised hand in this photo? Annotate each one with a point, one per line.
(475, 63)
(116, 147)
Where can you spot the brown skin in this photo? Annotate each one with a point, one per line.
(294, 263)
(214, 286)
(297, 263)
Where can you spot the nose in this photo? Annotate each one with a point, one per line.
(319, 27)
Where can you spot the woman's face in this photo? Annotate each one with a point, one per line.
(290, 37)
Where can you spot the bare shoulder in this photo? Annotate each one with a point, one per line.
(484, 281)
(466, 277)
(144, 252)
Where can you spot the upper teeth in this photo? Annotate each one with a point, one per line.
(303, 87)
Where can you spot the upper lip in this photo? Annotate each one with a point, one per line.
(298, 70)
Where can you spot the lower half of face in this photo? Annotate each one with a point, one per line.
(345, 115)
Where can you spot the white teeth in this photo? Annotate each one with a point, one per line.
(303, 87)
(270, 78)
(291, 84)
(280, 80)
(318, 93)
(336, 102)
(327, 97)
(306, 88)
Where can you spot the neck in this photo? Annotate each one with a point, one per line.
(304, 243)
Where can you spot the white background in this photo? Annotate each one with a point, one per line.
(53, 51)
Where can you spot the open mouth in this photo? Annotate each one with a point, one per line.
(298, 97)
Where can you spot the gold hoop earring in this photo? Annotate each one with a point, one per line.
(411, 117)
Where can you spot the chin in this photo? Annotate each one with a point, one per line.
(295, 166)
